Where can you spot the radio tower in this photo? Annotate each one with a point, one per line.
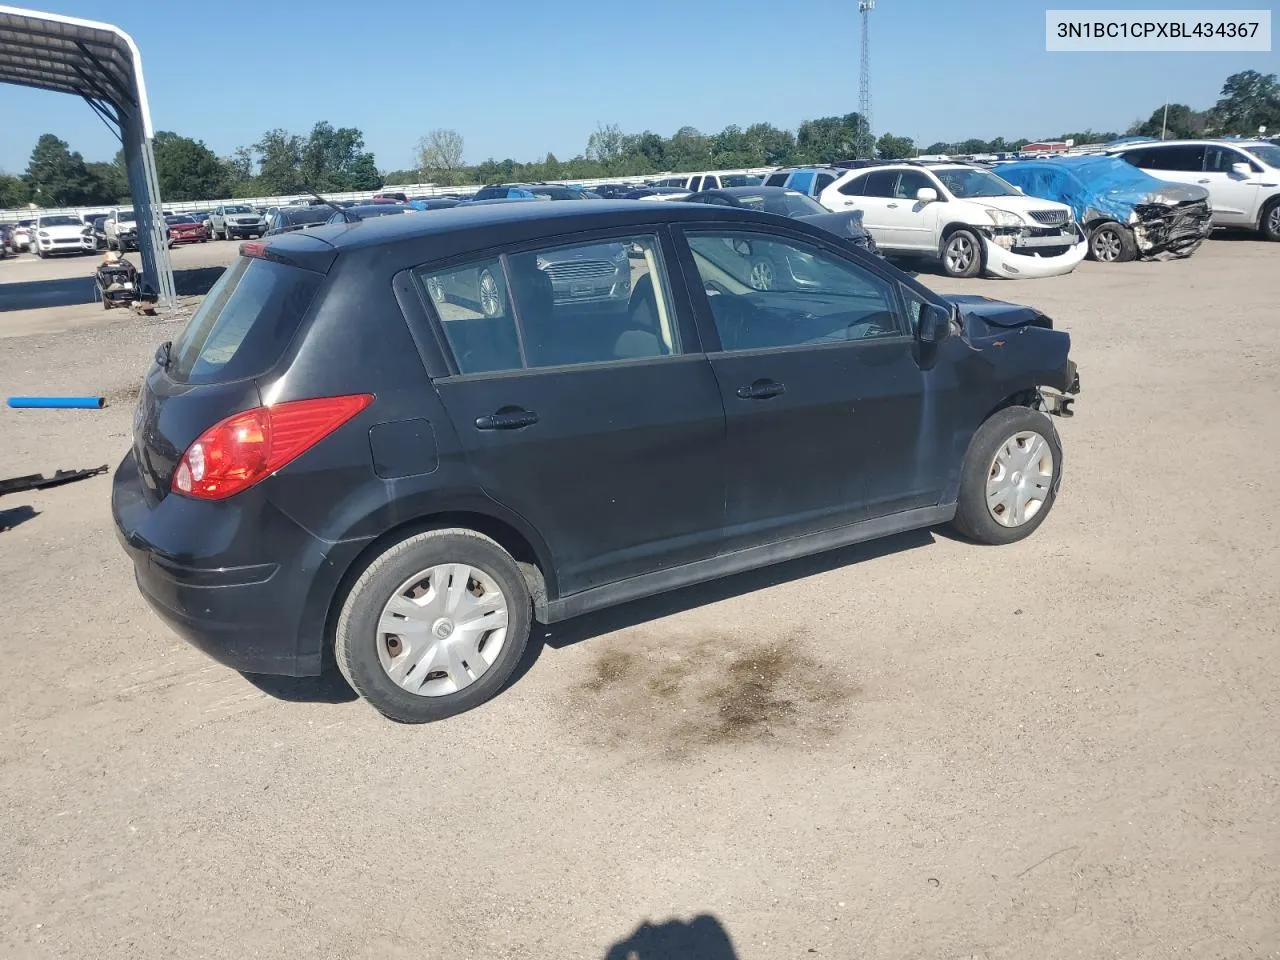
(867, 145)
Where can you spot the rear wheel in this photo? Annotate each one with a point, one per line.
(1010, 476)
(1270, 222)
(434, 626)
(1112, 242)
(962, 254)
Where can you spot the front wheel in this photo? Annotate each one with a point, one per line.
(1010, 477)
(1112, 243)
(1271, 221)
(962, 254)
(434, 626)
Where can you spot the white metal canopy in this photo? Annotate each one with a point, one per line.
(101, 63)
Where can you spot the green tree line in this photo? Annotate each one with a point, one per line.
(330, 159)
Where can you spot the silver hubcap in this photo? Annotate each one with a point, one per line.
(442, 629)
(1106, 245)
(959, 254)
(761, 275)
(1273, 221)
(490, 300)
(1020, 478)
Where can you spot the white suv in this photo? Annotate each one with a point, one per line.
(967, 217)
(1242, 177)
(60, 233)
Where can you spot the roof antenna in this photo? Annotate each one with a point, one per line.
(346, 217)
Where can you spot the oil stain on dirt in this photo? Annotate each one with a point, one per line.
(681, 694)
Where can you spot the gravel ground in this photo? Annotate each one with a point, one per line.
(1062, 748)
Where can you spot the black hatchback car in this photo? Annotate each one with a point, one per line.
(330, 461)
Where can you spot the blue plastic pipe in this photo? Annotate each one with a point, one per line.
(59, 403)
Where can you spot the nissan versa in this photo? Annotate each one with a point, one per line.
(396, 442)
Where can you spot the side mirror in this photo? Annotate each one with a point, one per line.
(1020, 190)
(934, 324)
(926, 195)
(1242, 169)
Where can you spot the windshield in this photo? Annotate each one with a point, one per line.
(310, 215)
(179, 219)
(1268, 153)
(555, 193)
(967, 184)
(124, 216)
(61, 220)
(238, 209)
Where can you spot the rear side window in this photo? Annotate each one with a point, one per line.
(824, 180)
(557, 306)
(244, 323)
(880, 184)
(776, 180)
(1183, 158)
(854, 187)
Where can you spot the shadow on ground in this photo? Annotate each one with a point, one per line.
(332, 688)
(16, 516)
(702, 938)
(67, 292)
(568, 632)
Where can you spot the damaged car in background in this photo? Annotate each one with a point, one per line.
(1127, 214)
(972, 221)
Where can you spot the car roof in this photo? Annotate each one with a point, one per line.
(468, 222)
(1191, 141)
(756, 190)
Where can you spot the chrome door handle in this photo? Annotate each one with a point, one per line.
(893, 206)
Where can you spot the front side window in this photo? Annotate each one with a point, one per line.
(910, 181)
(824, 180)
(776, 180)
(582, 303)
(1268, 153)
(769, 292)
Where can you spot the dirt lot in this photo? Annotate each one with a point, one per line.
(921, 748)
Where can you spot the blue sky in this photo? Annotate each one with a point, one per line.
(519, 83)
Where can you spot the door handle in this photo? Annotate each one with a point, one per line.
(892, 206)
(507, 420)
(762, 390)
(1205, 180)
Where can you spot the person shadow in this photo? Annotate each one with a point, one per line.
(702, 938)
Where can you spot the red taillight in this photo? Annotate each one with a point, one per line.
(237, 452)
(255, 248)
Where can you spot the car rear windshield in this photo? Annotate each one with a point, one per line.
(244, 323)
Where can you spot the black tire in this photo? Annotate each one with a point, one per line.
(1269, 224)
(973, 517)
(1111, 242)
(356, 637)
(954, 264)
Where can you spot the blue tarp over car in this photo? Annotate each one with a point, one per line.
(1168, 219)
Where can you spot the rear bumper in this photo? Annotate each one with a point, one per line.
(241, 582)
